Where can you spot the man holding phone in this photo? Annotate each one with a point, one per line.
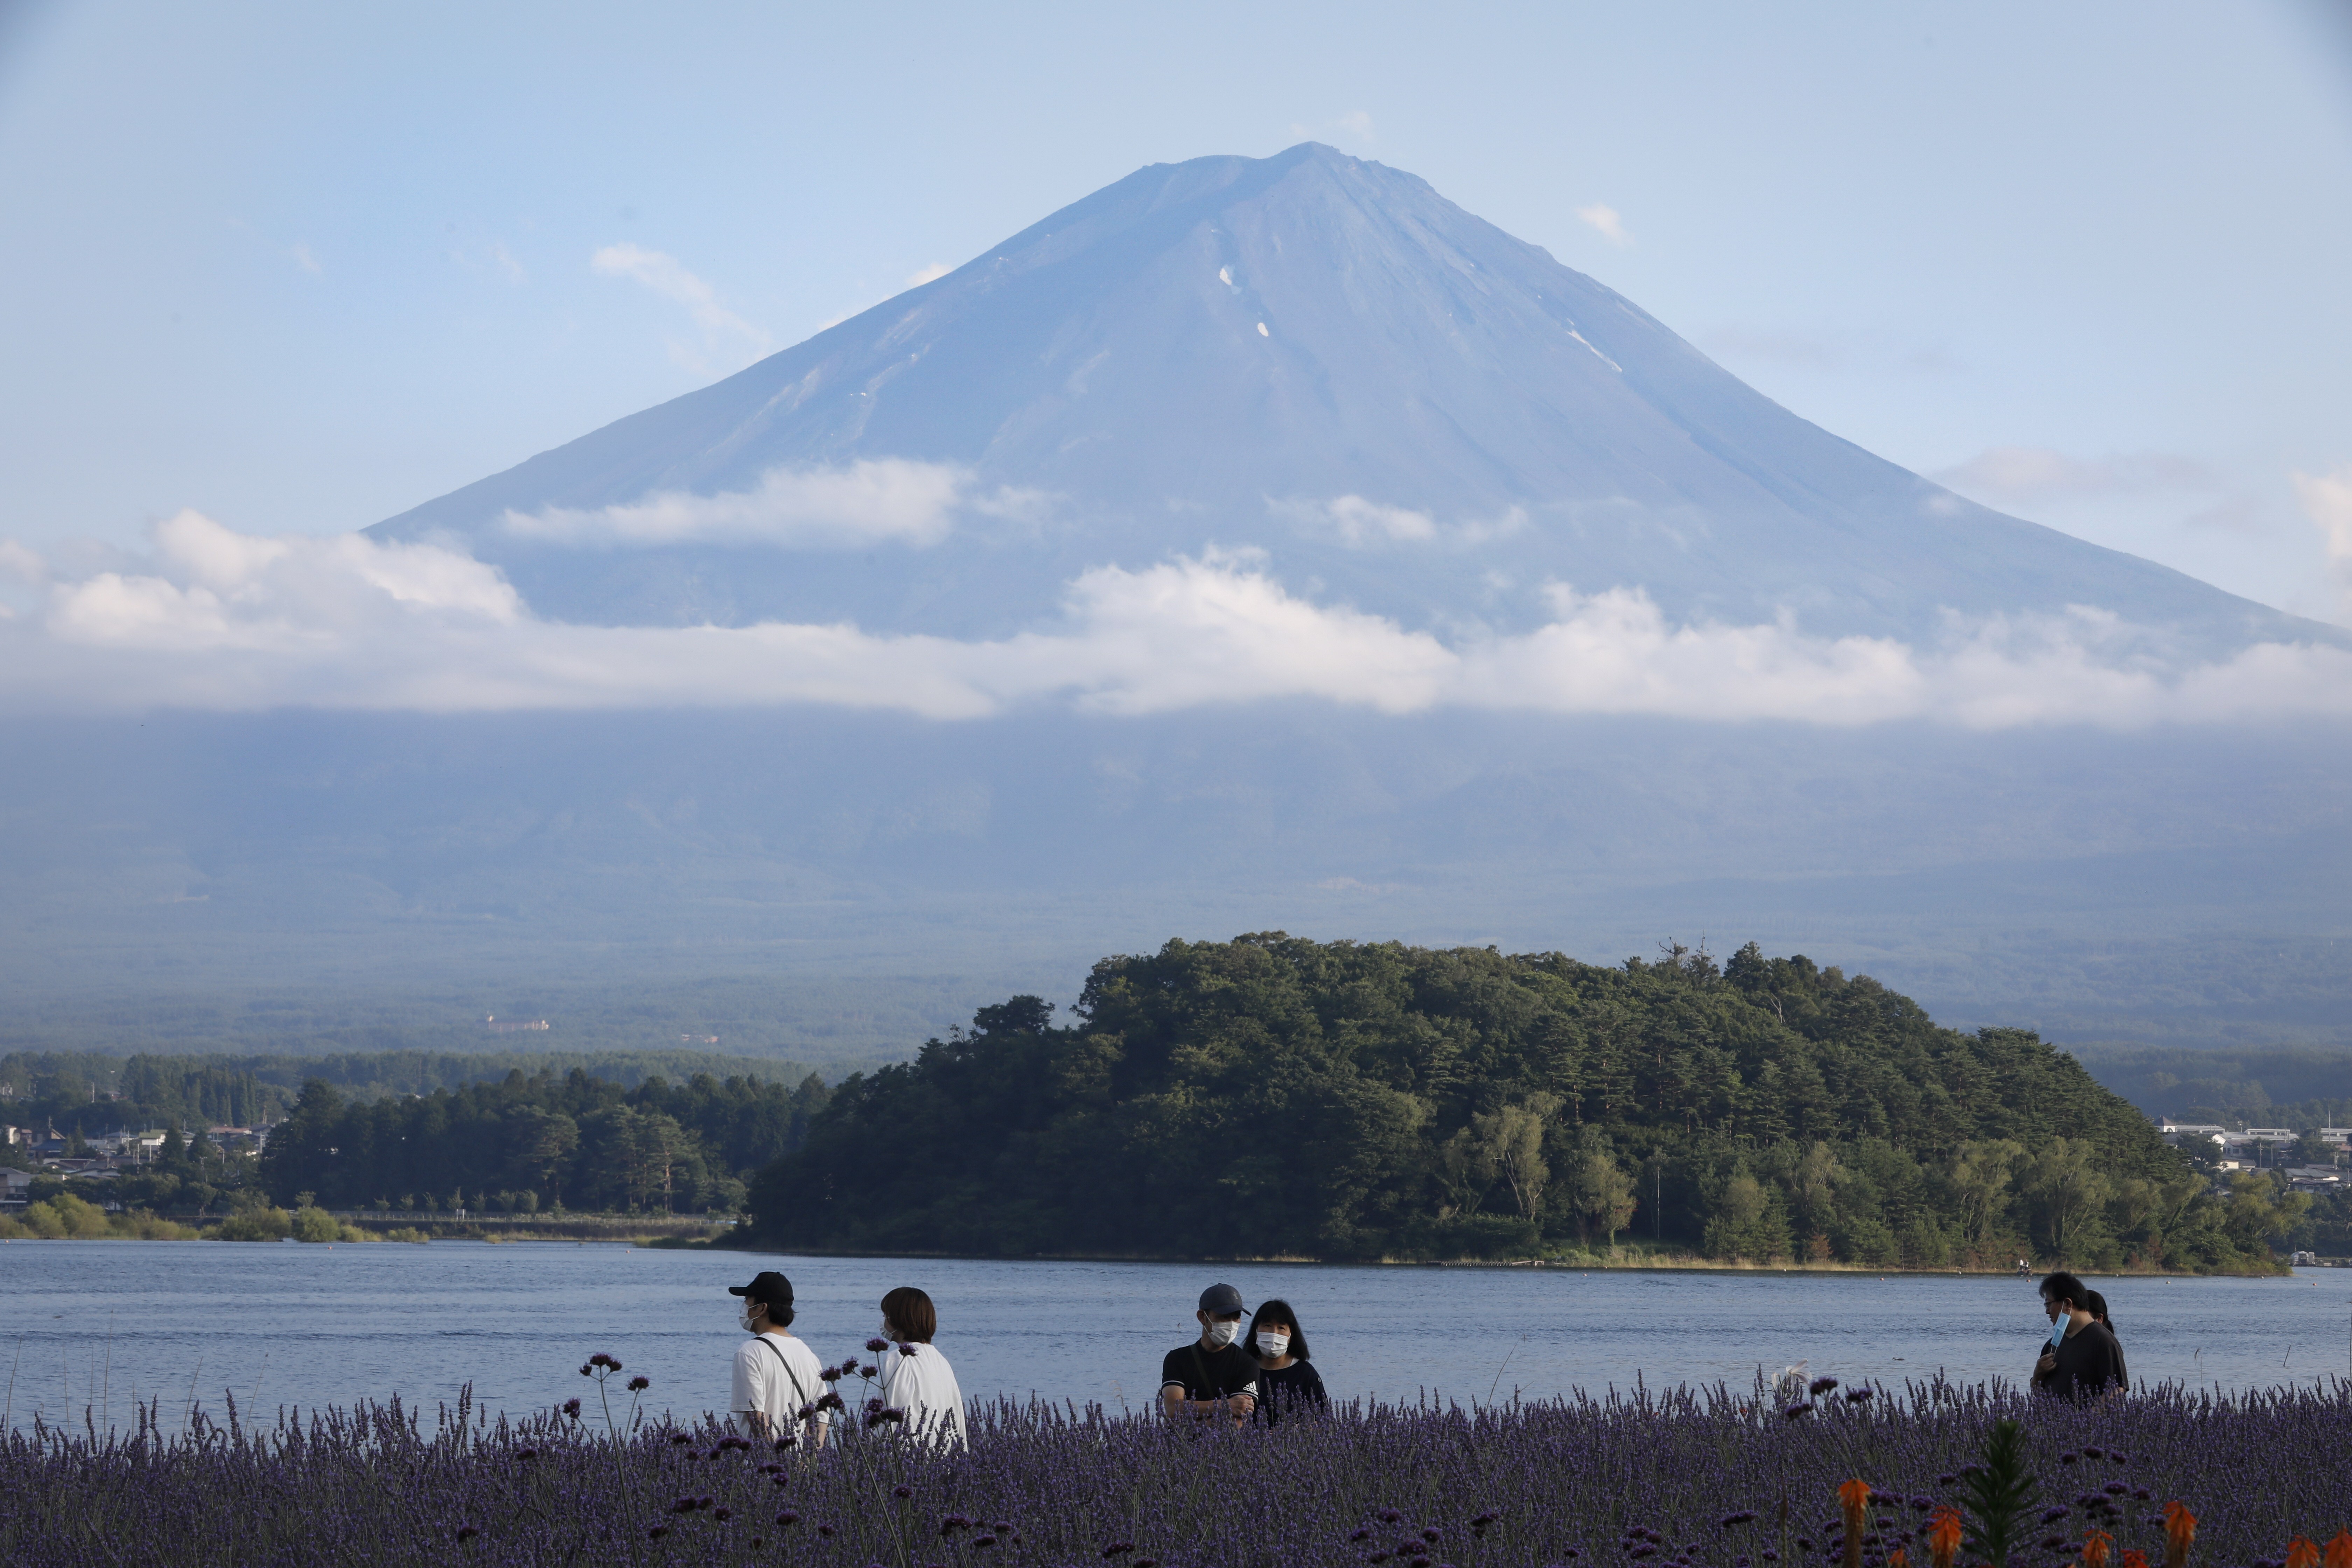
(2081, 1361)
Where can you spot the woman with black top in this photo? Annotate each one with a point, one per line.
(2045, 1369)
(1284, 1380)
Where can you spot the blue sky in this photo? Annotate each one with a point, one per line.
(300, 268)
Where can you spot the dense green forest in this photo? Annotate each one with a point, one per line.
(89, 1092)
(524, 1144)
(408, 1130)
(1272, 1096)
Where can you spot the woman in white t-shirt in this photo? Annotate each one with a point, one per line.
(776, 1376)
(916, 1378)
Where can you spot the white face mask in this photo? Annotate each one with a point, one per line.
(1272, 1345)
(1220, 1334)
(749, 1317)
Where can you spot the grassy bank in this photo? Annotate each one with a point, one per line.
(70, 1219)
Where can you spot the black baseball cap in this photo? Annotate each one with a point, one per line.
(1219, 1300)
(766, 1286)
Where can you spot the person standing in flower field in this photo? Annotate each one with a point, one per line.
(1212, 1376)
(776, 1376)
(2047, 1365)
(916, 1378)
(2087, 1363)
(1286, 1379)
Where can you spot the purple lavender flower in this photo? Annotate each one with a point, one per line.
(877, 1344)
(640, 1383)
(1820, 1386)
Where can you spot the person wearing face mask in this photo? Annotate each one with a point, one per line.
(2046, 1368)
(1284, 1380)
(776, 1376)
(1212, 1378)
(916, 1378)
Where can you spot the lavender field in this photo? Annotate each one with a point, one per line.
(1735, 1478)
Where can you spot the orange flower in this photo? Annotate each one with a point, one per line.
(2135, 1560)
(2179, 1524)
(2094, 1549)
(1898, 1558)
(1944, 1535)
(2302, 1554)
(2339, 1550)
(1855, 1495)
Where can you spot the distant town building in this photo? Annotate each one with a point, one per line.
(493, 1025)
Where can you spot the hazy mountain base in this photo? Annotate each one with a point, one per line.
(2302, 1089)
(832, 888)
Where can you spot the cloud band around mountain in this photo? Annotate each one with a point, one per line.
(219, 620)
(870, 501)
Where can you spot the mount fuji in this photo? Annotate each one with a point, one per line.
(1309, 356)
(1410, 448)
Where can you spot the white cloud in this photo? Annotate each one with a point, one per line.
(725, 334)
(936, 271)
(21, 565)
(2009, 476)
(1608, 220)
(1357, 122)
(503, 260)
(215, 619)
(304, 260)
(892, 500)
(1359, 523)
(2327, 500)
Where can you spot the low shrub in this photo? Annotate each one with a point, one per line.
(68, 1218)
(256, 1225)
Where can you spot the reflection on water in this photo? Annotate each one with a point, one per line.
(106, 1323)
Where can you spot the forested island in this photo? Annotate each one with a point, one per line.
(1276, 1097)
(1264, 1097)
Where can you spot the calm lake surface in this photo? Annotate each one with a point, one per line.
(105, 1322)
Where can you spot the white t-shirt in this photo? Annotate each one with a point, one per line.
(765, 1383)
(924, 1387)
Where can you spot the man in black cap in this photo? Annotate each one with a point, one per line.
(1212, 1376)
(776, 1376)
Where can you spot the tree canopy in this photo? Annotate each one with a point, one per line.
(1276, 1097)
(542, 1142)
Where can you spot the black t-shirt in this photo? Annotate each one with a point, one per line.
(1294, 1387)
(2090, 1364)
(1210, 1374)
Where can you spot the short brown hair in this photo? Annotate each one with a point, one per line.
(910, 1312)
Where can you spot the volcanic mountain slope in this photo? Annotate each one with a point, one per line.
(1310, 356)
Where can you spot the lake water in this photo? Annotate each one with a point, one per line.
(103, 1323)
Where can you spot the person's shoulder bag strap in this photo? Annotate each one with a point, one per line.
(800, 1395)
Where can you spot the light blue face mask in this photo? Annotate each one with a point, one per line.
(2058, 1331)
